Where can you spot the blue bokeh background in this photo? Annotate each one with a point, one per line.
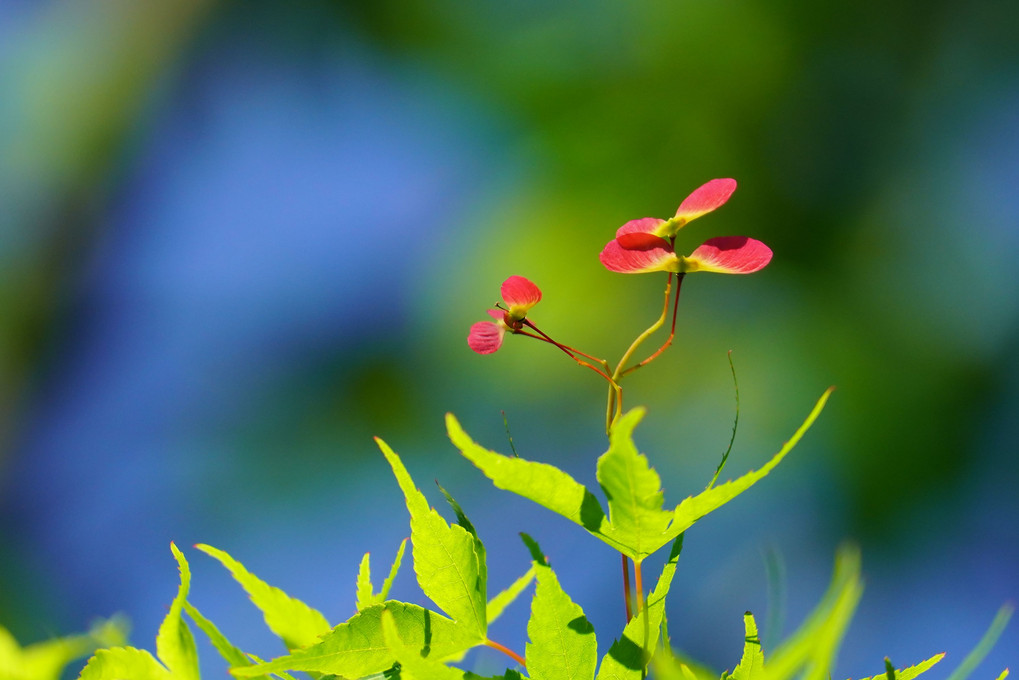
(240, 239)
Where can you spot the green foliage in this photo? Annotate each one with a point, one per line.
(809, 653)
(358, 648)
(175, 646)
(906, 673)
(293, 621)
(497, 605)
(124, 662)
(233, 656)
(562, 642)
(366, 596)
(637, 525)
(633, 490)
(392, 640)
(629, 655)
(988, 640)
(413, 666)
(174, 643)
(448, 559)
(751, 666)
(46, 660)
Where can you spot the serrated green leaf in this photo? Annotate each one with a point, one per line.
(912, 671)
(383, 594)
(630, 654)
(124, 662)
(633, 490)
(286, 676)
(233, 656)
(297, 624)
(365, 594)
(544, 484)
(479, 547)
(812, 648)
(552, 488)
(497, 605)
(562, 642)
(751, 666)
(696, 507)
(175, 646)
(447, 562)
(356, 648)
(413, 666)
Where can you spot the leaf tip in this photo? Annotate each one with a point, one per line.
(534, 549)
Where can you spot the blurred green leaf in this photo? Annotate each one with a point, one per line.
(47, 659)
(297, 624)
(986, 643)
(124, 662)
(813, 647)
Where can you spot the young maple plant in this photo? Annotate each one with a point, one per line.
(388, 638)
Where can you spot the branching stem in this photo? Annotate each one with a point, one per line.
(672, 332)
(615, 398)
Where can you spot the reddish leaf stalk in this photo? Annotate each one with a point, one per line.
(570, 352)
(507, 651)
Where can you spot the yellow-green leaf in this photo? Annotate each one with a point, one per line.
(448, 559)
(175, 645)
(124, 662)
(562, 642)
(292, 620)
(357, 648)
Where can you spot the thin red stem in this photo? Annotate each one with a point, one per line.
(626, 588)
(507, 651)
(568, 350)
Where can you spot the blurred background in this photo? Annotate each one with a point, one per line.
(237, 240)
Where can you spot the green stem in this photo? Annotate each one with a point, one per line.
(626, 588)
(672, 332)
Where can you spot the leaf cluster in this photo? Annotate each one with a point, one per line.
(394, 640)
